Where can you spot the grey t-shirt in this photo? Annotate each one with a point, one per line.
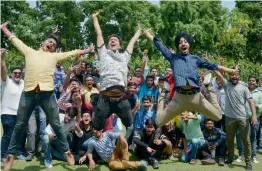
(236, 99)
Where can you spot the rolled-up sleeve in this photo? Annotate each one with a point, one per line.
(202, 63)
(163, 49)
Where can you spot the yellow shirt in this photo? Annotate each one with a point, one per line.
(39, 65)
(89, 92)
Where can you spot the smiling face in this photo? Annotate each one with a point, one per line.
(149, 82)
(114, 43)
(183, 46)
(234, 78)
(168, 72)
(49, 45)
(86, 118)
(89, 82)
(16, 75)
(252, 83)
(209, 125)
(154, 72)
(146, 104)
(131, 90)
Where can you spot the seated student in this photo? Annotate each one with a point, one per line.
(116, 156)
(68, 122)
(190, 126)
(215, 141)
(146, 146)
(144, 113)
(166, 135)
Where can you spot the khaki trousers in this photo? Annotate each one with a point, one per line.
(181, 103)
(232, 124)
(120, 159)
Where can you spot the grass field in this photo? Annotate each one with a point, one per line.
(166, 165)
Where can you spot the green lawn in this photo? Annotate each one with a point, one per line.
(166, 165)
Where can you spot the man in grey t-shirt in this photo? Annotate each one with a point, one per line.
(237, 96)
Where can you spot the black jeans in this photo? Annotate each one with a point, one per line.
(28, 101)
(105, 108)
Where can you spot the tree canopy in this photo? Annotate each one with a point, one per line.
(233, 35)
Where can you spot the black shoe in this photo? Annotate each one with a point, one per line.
(248, 167)
(154, 162)
(228, 162)
(221, 162)
(208, 161)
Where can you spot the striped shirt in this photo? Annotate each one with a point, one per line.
(184, 67)
(103, 147)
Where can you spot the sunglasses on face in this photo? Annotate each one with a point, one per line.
(17, 73)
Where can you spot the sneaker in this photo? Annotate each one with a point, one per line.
(70, 158)
(248, 167)
(21, 157)
(240, 159)
(221, 162)
(143, 165)
(255, 160)
(172, 158)
(208, 161)
(9, 162)
(29, 157)
(48, 163)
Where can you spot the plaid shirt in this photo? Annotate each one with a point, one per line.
(215, 136)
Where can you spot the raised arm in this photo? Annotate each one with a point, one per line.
(5, 30)
(3, 65)
(163, 49)
(130, 46)
(99, 36)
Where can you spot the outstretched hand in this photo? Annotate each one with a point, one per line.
(3, 25)
(91, 48)
(3, 51)
(236, 69)
(139, 29)
(55, 29)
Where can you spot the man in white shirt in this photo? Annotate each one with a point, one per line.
(12, 89)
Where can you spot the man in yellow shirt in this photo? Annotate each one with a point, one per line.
(89, 88)
(38, 90)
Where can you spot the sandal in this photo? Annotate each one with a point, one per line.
(193, 161)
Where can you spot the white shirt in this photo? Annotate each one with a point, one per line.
(113, 68)
(11, 96)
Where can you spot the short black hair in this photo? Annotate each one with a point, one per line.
(137, 67)
(74, 79)
(150, 122)
(88, 64)
(16, 68)
(56, 38)
(88, 75)
(150, 76)
(162, 78)
(114, 35)
(131, 84)
(72, 112)
(257, 80)
(146, 98)
(153, 68)
(207, 120)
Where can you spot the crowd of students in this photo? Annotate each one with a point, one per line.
(83, 113)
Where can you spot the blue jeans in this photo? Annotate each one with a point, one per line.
(50, 151)
(193, 147)
(28, 101)
(8, 123)
(253, 140)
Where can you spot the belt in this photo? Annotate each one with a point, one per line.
(113, 99)
(187, 92)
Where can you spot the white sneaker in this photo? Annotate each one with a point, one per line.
(255, 160)
(240, 159)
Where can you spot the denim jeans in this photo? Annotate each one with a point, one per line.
(28, 101)
(253, 140)
(36, 129)
(193, 147)
(8, 123)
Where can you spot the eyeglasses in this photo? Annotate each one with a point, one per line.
(17, 73)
